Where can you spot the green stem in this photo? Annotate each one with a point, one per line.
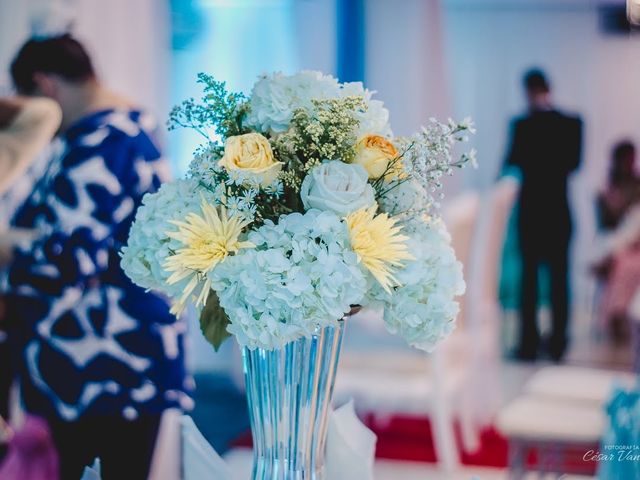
(394, 185)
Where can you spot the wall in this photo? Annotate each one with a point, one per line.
(490, 43)
(128, 40)
(475, 66)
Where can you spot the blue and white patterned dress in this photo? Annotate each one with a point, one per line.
(93, 343)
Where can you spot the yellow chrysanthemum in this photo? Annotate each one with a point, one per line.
(207, 240)
(378, 243)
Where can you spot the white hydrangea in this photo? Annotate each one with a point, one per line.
(302, 275)
(408, 198)
(275, 97)
(375, 119)
(423, 310)
(148, 246)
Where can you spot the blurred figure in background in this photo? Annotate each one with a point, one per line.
(619, 219)
(26, 127)
(623, 187)
(545, 147)
(101, 359)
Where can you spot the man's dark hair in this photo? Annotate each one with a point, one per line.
(62, 55)
(536, 80)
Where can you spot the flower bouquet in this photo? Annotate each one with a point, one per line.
(299, 206)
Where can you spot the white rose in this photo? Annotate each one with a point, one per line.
(337, 186)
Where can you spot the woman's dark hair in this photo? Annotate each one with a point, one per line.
(623, 149)
(62, 55)
(622, 152)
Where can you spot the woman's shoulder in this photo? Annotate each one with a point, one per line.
(137, 127)
(119, 140)
(130, 122)
(115, 130)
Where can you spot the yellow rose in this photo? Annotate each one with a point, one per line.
(251, 154)
(374, 152)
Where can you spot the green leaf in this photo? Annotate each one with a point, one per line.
(214, 321)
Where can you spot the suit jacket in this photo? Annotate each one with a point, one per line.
(546, 148)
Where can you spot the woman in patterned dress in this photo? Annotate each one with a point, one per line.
(100, 358)
(26, 127)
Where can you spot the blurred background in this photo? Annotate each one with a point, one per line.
(424, 58)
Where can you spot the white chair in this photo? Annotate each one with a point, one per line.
(561, 406)
(538, 419)
(483, 313)
(489, 240)
(585, 385)
(460, 216)
(385, 377)
(551, 427)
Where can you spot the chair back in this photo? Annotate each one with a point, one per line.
(460, 215)
(482, 307)
(500, 204)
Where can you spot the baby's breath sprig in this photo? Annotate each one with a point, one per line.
(381, 185)
(428, 156)
(219, 109)
(326, 132)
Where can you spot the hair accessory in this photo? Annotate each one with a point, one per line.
(52, 18)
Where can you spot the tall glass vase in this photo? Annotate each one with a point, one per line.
(289, 393)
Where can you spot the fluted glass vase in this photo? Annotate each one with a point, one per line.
(289, 393)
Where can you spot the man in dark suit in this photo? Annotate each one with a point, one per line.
(545, 147)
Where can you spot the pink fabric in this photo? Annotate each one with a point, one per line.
(32, 454)
(622, 283)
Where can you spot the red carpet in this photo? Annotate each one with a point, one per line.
(410, 438)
